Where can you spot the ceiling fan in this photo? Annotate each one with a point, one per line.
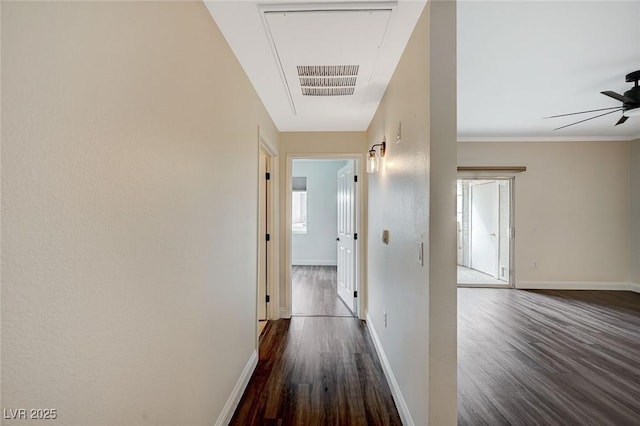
(630, 103)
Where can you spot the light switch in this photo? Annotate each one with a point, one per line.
(385, 236)
(420, 247)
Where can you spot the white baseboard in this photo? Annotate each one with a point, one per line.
(232, 402)
(634, 287)
(312, 262)
(571, 285)
(398, 398)
(284, 313)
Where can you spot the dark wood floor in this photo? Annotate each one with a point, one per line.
(548, 357)
(317, 371)
(313, 290)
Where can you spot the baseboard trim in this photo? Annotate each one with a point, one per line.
(284, 313)
(634, 287)
(571, 285)
(398, 398)
(313, 263)
(232, 402)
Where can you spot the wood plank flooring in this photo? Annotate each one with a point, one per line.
(313, 290)
(548, 357)
(317, 371)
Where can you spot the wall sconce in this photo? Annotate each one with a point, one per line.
(373, 162)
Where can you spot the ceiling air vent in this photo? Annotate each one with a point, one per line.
(328, 80)
(327, 91)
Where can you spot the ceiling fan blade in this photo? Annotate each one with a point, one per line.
(617, 96)
(583, 112)
(586, 119)
(622, 119)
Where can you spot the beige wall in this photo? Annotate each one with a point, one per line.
(571, 210)
(313, 145)
(412, 197)
(129, 173)
(634, 214)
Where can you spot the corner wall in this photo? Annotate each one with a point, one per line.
(634, 214)
(571, 210)
(413, 197)
(129, 212)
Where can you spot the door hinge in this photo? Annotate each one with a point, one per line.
(355, 178)
(355, 293)
(268, 299)
(355, 236)
(268, 237)
(267, 176)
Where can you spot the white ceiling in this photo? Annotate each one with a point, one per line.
(518, 61)
(271, 39)
(521, 61)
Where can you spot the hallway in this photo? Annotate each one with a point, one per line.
(317, 371)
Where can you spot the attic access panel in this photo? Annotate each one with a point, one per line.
(327, 57)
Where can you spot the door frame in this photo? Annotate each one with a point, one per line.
(358, 158)
(272, 252)
(512, 226)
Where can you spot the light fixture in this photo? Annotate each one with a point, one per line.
(632, 112)
(373, 162)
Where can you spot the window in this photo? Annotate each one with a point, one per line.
(299, 205)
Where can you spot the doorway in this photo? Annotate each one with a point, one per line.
(323, 237)
(485, 232)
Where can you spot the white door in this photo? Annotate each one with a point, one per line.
(346, 236)
(484, 228)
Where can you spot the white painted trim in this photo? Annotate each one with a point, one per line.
(358, 158)
(571, 285)
(634, 287)
(398, 398)
(466, 139)
(312, 262)
(232, 402)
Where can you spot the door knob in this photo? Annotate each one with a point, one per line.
(493, 235)
(338, 239)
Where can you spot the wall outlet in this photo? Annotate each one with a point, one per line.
(534, 265)
(420, 248)
(386, 318)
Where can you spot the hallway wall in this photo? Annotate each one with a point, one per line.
(571, 210)
(308, 144)
(129, 212)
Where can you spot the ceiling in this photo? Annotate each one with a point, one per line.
(324, 66)
(521, 61)
(318, 66)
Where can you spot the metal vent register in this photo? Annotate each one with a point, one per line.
(328, 80)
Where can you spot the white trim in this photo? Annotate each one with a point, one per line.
(634, 287)
(358, 158)
(466, 139)
(571, 285)
(232, 402)
(304, 262)
(398, 398)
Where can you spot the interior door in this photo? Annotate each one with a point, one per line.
(346, 236)
(484, 228)
(262, 233)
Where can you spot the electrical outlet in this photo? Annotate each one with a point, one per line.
(534, 265)
(386, 319)
(420, 248)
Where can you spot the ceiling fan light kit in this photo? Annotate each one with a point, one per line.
(630, 103)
